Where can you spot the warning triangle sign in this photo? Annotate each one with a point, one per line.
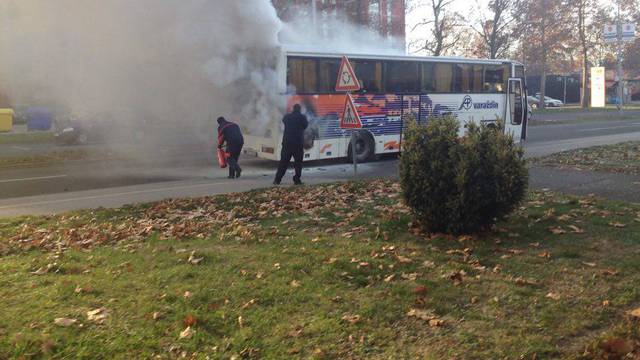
(347, 80)
(350, 118)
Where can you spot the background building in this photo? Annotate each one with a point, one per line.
(387, 17)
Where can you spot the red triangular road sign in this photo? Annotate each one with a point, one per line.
(347, 80)
(350, 118)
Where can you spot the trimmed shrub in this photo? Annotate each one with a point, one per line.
(459, 185)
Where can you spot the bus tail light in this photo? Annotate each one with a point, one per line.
(268, 150)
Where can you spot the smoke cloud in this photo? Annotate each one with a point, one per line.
(164, 69)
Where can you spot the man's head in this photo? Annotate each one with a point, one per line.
(221, 120)
(297, 108)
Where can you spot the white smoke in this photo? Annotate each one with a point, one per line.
(166, 68)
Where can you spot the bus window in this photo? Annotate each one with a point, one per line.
(369, 74)
(328, 75)
(478, 78)
(463, 78)
(444, 78)
(301, 76)
(428, 83)
(402, 77)
(495, 78)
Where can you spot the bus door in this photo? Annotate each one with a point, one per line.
(516, 109)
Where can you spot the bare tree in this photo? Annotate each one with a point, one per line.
(442, 23)
(495, 31)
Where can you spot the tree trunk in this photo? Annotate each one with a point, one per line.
(584, 95)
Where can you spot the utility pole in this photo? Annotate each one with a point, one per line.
(620, 74)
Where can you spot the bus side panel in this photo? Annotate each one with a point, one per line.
(380, 116)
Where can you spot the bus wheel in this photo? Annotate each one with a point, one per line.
(365, 147)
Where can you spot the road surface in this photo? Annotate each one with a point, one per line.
(78, 185)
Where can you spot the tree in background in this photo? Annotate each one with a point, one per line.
(587, 33)
(493, 30)
(444, 26)
(543, 36)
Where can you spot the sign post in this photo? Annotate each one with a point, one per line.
(347, 81)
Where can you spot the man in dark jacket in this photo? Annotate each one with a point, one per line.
(292, 144)
(230, 134)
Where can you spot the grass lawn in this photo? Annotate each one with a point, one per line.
(36, 137)
(334, 271)
(618, 158)
(55, 156)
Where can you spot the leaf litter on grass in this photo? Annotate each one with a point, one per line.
(392, 267)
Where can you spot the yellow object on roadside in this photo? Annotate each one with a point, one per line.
(6, 120)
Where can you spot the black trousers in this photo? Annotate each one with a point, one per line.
(232, 161)
(289, 151)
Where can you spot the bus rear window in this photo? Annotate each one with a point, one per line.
(369, 72)
(302, 76)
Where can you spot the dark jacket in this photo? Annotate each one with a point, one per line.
(230, 132)
(294, 125)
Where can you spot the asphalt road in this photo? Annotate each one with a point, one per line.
(77, 185)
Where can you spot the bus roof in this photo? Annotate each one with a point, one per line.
(398, 57)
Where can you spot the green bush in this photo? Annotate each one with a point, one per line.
(460, 184)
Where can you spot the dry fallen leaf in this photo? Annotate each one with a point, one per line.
(156, 315)
(188, 294)
(553, 296)
(635, 313)
(249, 303)
(557, 230)
(64, 322)
(617, 346)
(352, 319)
(436, 322)
(617, 224)
(576, 230)
(544, 254)
(193, 259)
(389, 278)
(403, 259)
(589, 264)
(189, 321)
(296, 283)
(187, 333)
(421, 314)
(97, 315)
(420, 290)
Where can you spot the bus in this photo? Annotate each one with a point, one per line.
(394, 89)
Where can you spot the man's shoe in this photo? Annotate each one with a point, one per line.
(231, 177)
(298, 183)
(276, 182)
(238, 173)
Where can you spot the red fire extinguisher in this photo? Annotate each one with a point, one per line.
(222, 158)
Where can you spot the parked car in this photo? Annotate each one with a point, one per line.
(533, 102)
(550, 102)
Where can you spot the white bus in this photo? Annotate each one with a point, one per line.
(393, 87)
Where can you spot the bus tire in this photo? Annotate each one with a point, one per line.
(365, 149)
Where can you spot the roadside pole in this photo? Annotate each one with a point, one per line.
(619, 55)
(354, 141)
(347, 82)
